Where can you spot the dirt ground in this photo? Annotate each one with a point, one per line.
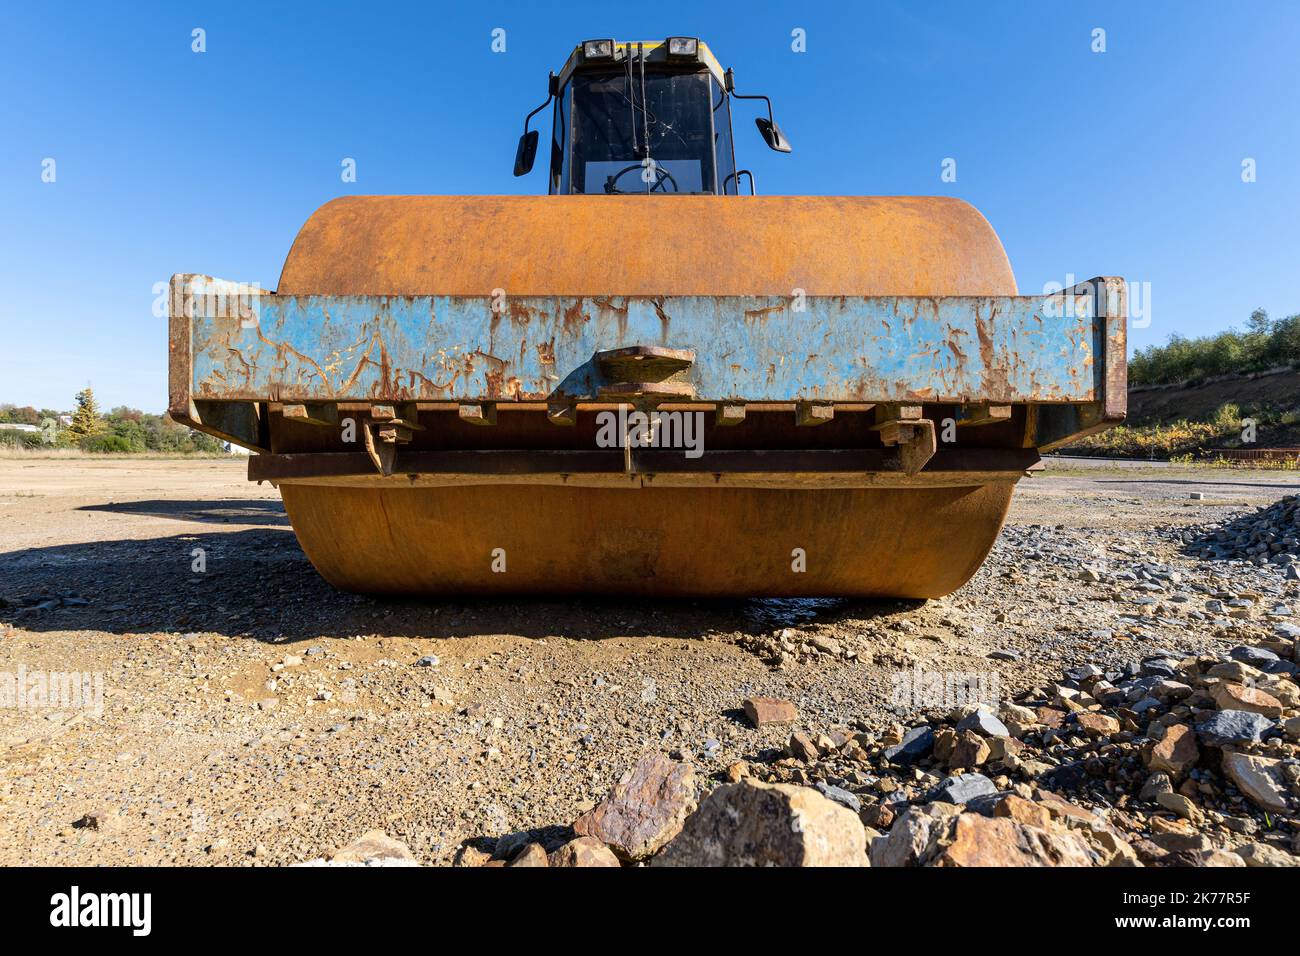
(253, 715)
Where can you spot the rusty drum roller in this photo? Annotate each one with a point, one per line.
(702, 540)
(646, 383)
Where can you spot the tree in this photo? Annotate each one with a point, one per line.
(1259, 323)
(23, 416)
(86, 422)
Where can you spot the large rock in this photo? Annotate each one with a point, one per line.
(915, 836)
(1183, 806)
(534, 854)
(374, 848)
(1259, 778)
(645, 810)
(1175, 753)
(470, 856)
(1065, 812)
(1240, 697)
(1156, 784)
(803, 747)
(1232, 727)
(769, 711)
(1213, 856)
(962, 789)
(1254, 656)
(915, 745)
(999, 841)
(844, 798)
(1026, 812)
(1097, 725)
(984, 723)
(1261, 854)
(1234, 672)
(1110, 846)
(970, 750)
(1182, 840)
(584, 851)
(758, 824)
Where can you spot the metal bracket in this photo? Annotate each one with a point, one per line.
(983, 414)
(382, 439)
(645, 374)
(309, 413)
(480, 413)
(814, 413)
(728, 415)
(915, 442)
(650, 393)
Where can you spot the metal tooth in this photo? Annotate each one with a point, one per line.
(729, 415)
(406, 415)
(478, 414)
(887, 414)
(814, 413)
(312, 413)
(562, 413)
(983, 414)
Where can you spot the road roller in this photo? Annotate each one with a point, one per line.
(651, 380)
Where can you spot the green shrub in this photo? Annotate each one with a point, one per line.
(108, 443)
(1228, 416)
(20, 439)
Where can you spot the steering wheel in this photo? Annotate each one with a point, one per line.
(661, 176)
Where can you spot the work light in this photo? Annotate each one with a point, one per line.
(684, 48)
(598, 49)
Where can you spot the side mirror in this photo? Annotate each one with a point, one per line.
(527, 152)
(772, 135)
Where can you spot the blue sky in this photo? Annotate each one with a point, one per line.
(1126, 162)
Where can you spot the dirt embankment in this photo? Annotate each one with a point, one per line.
(1161, 405)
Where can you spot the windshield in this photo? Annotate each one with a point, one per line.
(610, 136)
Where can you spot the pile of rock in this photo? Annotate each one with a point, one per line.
(1168, 761)
(642, 814)
(1165, 761)
(1268, 536)
(651, 818)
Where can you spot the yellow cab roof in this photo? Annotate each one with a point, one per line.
(656, 51)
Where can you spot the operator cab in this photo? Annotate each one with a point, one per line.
(643, 117)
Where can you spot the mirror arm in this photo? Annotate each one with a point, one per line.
(741, 96)
(535, 112)
(550, 95)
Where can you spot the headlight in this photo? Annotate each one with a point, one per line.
(687, 48)
(598, 50)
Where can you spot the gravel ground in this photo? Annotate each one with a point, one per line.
(252, 715)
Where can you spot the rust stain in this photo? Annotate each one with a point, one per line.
(994, 375)
(665, 322)
(573, 317)
(546, 352)
(758, 315)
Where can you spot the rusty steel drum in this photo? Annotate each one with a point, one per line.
(912, 542)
